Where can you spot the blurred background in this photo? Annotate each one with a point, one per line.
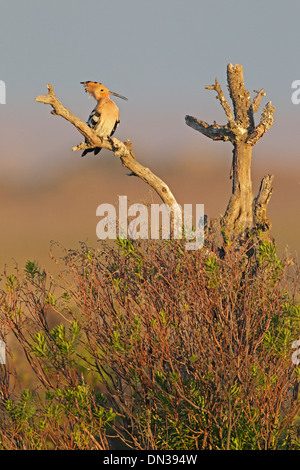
(160, 55)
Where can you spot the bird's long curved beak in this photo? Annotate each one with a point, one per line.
(119, 96)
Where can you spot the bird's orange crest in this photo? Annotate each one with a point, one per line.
(98, 91)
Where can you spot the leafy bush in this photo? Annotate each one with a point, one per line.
(160, 347)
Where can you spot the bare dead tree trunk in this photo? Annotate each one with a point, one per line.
(244, 213)
(123, 150)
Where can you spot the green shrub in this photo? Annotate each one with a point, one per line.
(160, 347)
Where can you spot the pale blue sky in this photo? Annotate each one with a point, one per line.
(158, 53)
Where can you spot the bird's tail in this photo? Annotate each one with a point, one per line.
(96, 150)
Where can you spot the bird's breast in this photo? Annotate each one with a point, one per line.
(106, 118)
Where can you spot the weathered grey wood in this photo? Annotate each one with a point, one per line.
(243, 213)
(260, 203)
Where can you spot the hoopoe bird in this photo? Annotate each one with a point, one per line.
(104, 118)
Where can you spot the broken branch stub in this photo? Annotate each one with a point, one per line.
(122, 150)
(243, 213)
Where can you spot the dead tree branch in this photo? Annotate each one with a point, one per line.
(220, 96)
(122, 150)
(214, 132)
(257, 99)
(260, 203)
(266, 122)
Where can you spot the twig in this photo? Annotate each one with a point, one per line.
(261, 201)
(214, 132)
(266, 122)
(257, 99)
(220, 96)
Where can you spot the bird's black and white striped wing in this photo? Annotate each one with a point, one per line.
(93, 119)
(92, 122)
(114, 128)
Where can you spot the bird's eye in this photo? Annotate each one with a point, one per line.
(101, 89)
